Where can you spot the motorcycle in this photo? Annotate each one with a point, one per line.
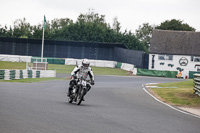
(79, 90)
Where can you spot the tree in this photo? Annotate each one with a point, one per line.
(90, 27)
(131, 41)
(3, 31)
(175, 25)
(22, 29)
(144, 34)
(56, 27)
(116, 25)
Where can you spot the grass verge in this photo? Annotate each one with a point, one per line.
(97, 70)
(177, 93)
(31, 80)
(59, 69)
(65, 68)
(12, 65)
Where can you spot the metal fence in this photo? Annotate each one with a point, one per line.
(139, 58)
(74, 49)
(58, 49)
(197, 84)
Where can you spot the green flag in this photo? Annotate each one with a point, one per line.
(45, 22)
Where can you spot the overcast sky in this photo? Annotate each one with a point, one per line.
(130, 13)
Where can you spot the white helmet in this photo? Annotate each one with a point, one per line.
(85, 63)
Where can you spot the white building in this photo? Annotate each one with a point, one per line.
(175, 51)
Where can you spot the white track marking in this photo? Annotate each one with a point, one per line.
(168, 104)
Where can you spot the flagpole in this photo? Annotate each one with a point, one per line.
(42, 44)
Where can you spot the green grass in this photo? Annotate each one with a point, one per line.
(109, 71)
(96, 70)
(12, 65)
(31, 80)
(182, 95)
(59, 69)
(183, 84)
(65, 68)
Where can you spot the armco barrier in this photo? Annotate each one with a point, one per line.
(20, 58)
(118, 65)
(2, 74)
(47, 73)
(191, 74)
(56, 61)
(50, 60)
(156, 73)
(22, 74)
(127, 67)
(15, 58)
(197, 84)
(96, 63)
(12, 74)
(70, 61)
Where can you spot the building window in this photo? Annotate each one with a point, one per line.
(165, 57)
(195, 59)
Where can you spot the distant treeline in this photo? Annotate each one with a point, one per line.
(90, 27)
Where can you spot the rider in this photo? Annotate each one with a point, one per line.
(82, 70)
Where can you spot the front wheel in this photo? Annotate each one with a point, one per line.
(70, 99)
(80, 96)
(79, 100)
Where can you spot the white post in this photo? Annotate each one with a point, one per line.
(36, 64)
(26, 65)
(42, 45)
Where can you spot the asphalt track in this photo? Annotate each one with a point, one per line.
(114, 105)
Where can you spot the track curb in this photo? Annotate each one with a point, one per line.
(172, 107)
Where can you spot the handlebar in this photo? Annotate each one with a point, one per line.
(81, 78)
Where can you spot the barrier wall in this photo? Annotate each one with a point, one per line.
(50, 60)
(68, 61)
(135, 71)
(191, 74)
(102, 63)
(146, 72)
(96, 63)
(127, 67)
(2, 74)
(15, 58)
(47, 73)
(118, 65)
(7, 74)
(19, 58)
